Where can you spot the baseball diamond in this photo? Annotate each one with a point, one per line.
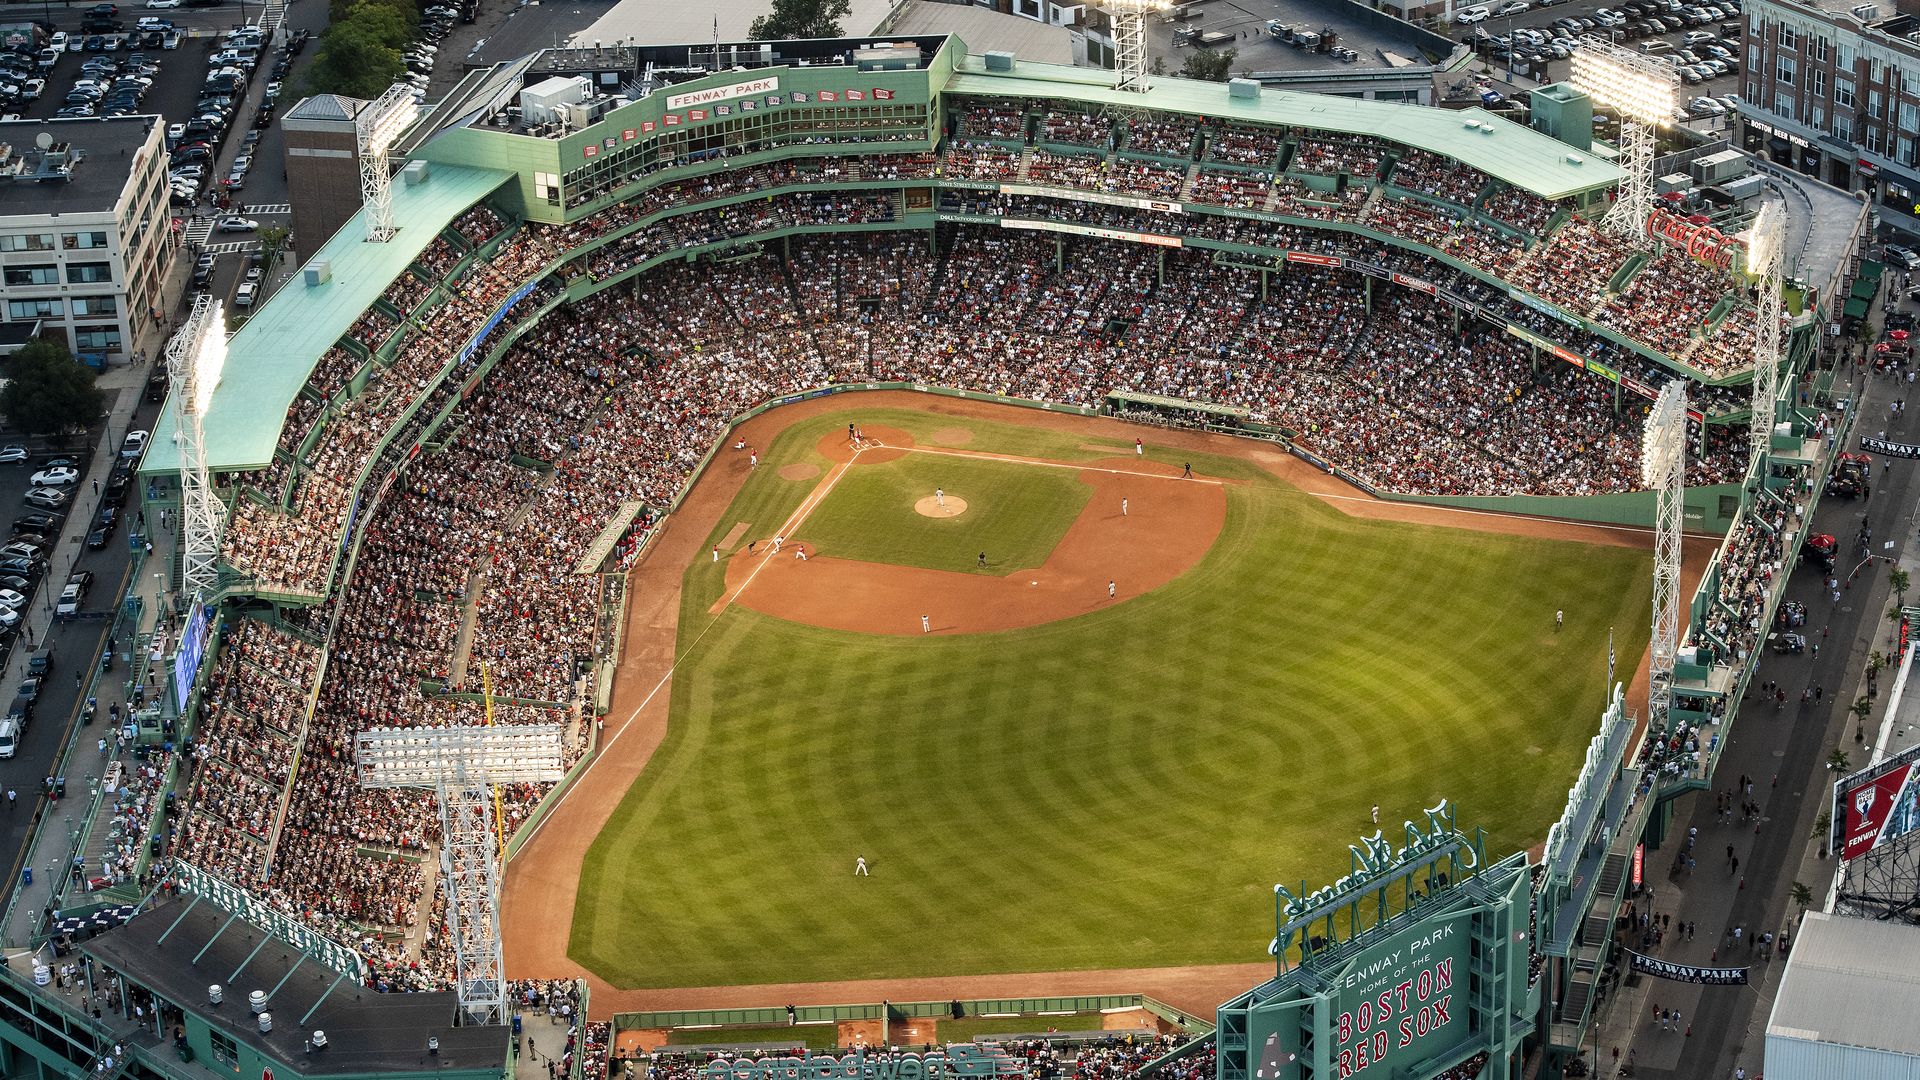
(1270, 656)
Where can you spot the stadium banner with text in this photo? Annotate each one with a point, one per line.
(676, 102)
(1691, 973)
(959, 1061)
(1160, 205)
(1089, 230)
(1314, 259)
(1889, 448)
(1877, 804)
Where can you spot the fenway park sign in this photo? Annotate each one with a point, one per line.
(1703, 242)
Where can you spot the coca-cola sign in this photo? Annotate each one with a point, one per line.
(1703, 242)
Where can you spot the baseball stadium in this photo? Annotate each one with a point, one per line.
(784, 547)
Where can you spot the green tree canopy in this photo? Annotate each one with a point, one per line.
(1207, 65)
(355, 59)
(801, 19)
(47, 390)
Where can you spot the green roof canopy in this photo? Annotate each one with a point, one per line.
(1486, 141)
(270, 357)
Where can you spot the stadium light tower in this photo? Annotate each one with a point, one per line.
(1663, 461)
(376, 127)
(1130, 41)
(1766, 257)
(1642, 89)
(461, 765)
(195, 357)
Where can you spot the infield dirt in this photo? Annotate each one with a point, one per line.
(542, 879)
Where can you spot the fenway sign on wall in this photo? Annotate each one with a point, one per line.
(723, 93)
(1703, 242)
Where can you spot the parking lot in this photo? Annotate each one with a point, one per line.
(1671, 31)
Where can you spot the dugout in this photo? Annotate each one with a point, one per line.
(1175, 412)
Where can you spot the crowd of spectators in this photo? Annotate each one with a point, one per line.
(1359, 156)
(1075, 128)
(989, 118)
(1243, 144)
(1438, 177)
(1163, 135)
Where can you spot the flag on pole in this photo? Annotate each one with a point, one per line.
(1609, 659)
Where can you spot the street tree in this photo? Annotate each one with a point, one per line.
(47, 390)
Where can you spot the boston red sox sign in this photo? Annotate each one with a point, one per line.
(1397, 1000)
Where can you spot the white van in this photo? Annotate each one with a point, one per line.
(9, 737)
(1477, 13)
(244, 296)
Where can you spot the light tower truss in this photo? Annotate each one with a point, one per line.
(375, 128)
(1130, 41)
(1663, 466)
(1766, 258)
(461, 765)
(195, 356)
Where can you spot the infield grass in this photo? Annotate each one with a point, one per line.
(1016, 514)
(1121, 789)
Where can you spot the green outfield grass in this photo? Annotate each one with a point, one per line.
(1016, 514)
(1116, 790)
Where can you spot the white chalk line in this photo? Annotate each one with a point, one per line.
(1638, 530)
(794, 520)
(976, 456)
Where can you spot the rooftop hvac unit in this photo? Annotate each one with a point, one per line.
(1866, 13)
(543, 102)
(257, 1001)
(215, 995)
(318, 272)
(414, 173)
(266, 1023)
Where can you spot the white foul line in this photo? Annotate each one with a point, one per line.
(799, 515)
(1051, 464)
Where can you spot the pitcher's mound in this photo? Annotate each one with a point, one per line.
(931, 507)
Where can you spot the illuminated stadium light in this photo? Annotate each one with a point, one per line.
(376, 128)
(1766, 258)
(196, 357)
(1642, 88)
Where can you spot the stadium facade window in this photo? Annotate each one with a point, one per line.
(224, 1049)
(1843, 93)
(1787, 70)
(1787, 38)
(1843, 128)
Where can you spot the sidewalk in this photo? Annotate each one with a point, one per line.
(79, 760)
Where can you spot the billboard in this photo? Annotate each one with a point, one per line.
(1397, 999)
(1877, 804)
(1274, 1040)
(186, 660)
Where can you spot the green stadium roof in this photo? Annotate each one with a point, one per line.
(270, 357)
(1519, 155)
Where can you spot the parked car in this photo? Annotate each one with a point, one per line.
(55, 477)
(13, 455)
(134, 444)
(46, 498)
(35, 524)
(237, 224)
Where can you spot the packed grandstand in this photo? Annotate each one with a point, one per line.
(1391, 363)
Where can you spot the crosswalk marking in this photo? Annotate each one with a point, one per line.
(233, 246)
(268, 208)
(198, 230)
